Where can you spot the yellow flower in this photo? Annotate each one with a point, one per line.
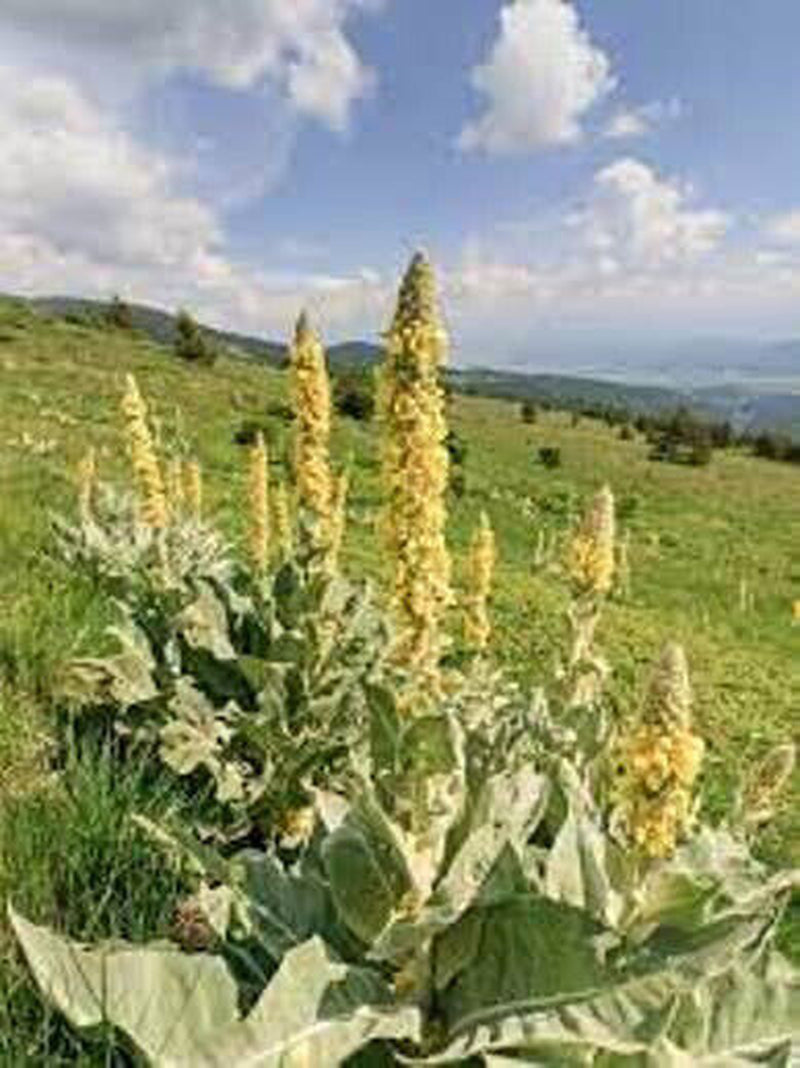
(259, 504)
(481, 563)
(193, 489)
(282, 520)
(590, 558)
(658, 763)
(415, 472)
(175, 487)
(87, 482)
(311, 401)
(149, 483)
(338, 517)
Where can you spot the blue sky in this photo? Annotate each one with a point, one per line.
(583, 173)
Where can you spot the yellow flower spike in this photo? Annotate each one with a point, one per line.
(338, 517)
(282, 519)
(149, 483)
(193, 489)
(590, 558)
(669, 699)
(87, 483)
(175, 489)
(659, 762)
(311, 402)
(415, 473)
(481, 564)
(258, 493)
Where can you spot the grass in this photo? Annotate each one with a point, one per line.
(715, 556)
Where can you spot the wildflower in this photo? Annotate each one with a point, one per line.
(193, 488)
(415, 471)
(175, 489)
(482, 556)
(259, 504)
(590, 558)
(659, 762)
(149, 483)
(796, 612)
(282, 519)
(87, 480)
(338, 516)
(311, 402)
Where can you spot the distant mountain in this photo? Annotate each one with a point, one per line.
(755, 386)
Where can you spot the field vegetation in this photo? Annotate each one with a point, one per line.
(388, 800)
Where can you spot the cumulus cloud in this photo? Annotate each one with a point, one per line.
(299, 46)
(785, 228)
(640, 121)
(637, 220)
(541, 77)
(83, 208)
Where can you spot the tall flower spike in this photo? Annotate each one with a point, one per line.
(259, 504)
(175, 488)
(481, 563)
(338, 517)
(415, 472)
(193, 489)
(282, 519)
(590, 559)
(149, 483)
(759, 798)
(311, 402)
(659, 762)
(87, 482)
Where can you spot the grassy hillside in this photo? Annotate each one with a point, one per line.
(714, 551)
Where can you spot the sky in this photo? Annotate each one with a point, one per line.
(591, 173)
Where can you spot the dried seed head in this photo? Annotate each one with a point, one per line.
(259, 504)
(763, 789)
(149, 483)
(590, 559)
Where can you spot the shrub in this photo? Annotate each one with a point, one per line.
(354, 396)
(118, 314)
(529, 412)
(626, 433)
(249, 429)
(191, 343)
(550, 457)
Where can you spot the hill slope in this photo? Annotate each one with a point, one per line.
(714, 551)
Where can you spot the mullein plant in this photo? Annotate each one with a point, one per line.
(658, 762)
(415, 475)
(481, 562)
(193, 489)
(311, 403)
(590, 565)
(258, 498)
(86, 477)
(148, 479)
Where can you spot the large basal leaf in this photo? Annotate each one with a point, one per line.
(161, 998)
(180, 1010)
(308, 1015)
(577, 868)
(529, 950)
(204, 625)
(368, 873)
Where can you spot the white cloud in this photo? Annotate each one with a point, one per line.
(643, 222)
(543, 74)
(784, 228)
(300, 46)
(640, 121)
(84, 209)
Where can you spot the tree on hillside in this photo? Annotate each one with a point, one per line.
(191, 343)
(118, 314)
